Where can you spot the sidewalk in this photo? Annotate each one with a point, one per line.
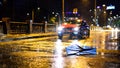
(8, 37)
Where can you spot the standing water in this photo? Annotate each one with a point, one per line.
(58, 59)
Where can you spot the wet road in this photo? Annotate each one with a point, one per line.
(42, 53)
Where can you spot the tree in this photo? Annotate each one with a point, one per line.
(117, 23)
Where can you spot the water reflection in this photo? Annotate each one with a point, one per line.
(108, 40)
(113, 46)
(112, 42)
(73, 62)
(112, 65)
(114, 33)
(58, 58)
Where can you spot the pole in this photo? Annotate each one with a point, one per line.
(63, 11)
(33, 15)
(95, 13)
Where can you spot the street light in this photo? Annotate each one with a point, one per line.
(38, 8)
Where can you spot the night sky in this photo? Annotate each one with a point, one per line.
(19, 8)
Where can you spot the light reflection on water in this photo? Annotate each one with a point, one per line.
(114, 33)
(101, 42)
(109, 60)
(58, 58)
(114, 44)
(107, 40)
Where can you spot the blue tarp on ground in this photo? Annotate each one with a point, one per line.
(75, 49)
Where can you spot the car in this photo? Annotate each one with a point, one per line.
(67, 28)
(75, 31)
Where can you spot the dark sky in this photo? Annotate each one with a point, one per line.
(23, 6)
(55, 5)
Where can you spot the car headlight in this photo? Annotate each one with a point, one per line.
(76, 29)
(60, 28)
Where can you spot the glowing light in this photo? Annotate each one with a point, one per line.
(38, 8)
(104, 11)
(53, 12)
(75, 42)
(76, 28)
(103, 5)
(65, 23)
(60, 28)
(58, 55)
(108, 26)
(110, 7)
(114, 33)
(115, 17)
(98, 7)
(79, 20)
(28, 14)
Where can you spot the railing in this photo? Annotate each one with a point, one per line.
(18, 27)
(25, 27)
(38, 27)
(1, 27)
(51, 28)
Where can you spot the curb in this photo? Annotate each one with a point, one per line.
(9, 37)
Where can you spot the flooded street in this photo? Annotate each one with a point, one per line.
(37, 53)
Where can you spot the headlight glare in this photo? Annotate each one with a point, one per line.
(60, 28)
(76, 28)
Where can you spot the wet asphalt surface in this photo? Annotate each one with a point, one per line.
(45, 52)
